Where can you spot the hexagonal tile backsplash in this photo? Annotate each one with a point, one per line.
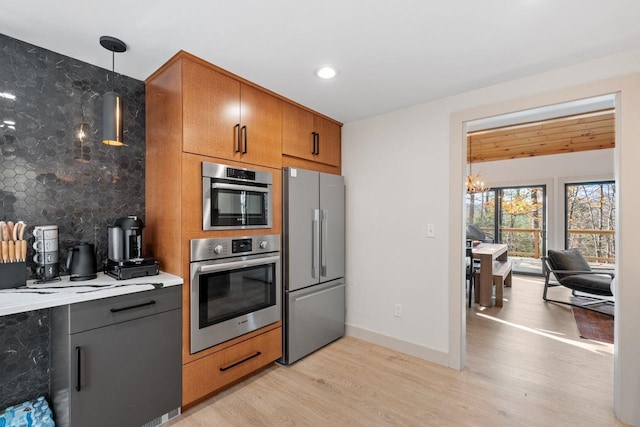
(54, 168)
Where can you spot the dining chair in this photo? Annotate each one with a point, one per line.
(472, 268)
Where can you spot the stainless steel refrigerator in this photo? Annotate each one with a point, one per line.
(313, 261)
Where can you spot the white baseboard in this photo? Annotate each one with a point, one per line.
(412, 349)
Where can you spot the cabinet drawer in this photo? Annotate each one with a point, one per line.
(206, 375)
(108, 311)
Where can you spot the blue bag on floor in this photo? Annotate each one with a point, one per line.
(34, 413)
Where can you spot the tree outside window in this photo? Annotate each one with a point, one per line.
(590, 220)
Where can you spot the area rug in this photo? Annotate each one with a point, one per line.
(592, 325)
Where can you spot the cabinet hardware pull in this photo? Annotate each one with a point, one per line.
(246, 359)
(313, 140)
(144, 304)
(317, 143)
(244, 137)
(236, 131)
(79, 369)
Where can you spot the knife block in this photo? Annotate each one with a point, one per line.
(13, 275)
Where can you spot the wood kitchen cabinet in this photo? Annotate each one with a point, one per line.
(310, 136)
(197, 112)
(228, 119)
(221, 368)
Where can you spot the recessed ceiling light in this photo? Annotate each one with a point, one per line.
(326, 72)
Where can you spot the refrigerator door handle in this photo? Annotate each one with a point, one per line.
(323, 244)
(315, 243)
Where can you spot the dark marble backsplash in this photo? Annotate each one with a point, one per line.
(24, 357)
(54, 168)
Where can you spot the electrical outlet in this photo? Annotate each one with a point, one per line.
(397, 310)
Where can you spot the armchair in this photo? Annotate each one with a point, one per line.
(572, 271)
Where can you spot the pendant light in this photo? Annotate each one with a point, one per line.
(474, 185)
(112, 110)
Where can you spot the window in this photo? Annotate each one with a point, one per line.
(590, 220)
(515, 216)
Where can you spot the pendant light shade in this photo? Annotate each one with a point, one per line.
(112, 111)
(112, 119)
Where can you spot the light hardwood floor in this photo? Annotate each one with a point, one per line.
(527, 366)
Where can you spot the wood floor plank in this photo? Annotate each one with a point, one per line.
(527, 366)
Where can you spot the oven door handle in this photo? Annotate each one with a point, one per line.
(223, 186)
(235, 265)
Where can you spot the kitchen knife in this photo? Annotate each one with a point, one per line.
(21, 244)
(10, 226)
(23, 226)
(5, 231)
(5, 251)
(23, 250)
(14, 232)
(12, 251)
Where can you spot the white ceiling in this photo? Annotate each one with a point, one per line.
(390, 53)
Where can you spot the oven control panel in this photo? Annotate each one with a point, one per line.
(206, 249)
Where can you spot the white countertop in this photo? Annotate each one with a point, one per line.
(53, 294)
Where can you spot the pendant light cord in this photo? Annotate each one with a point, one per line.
(470, 160)
(113, 70)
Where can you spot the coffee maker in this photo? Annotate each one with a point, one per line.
(125, 260)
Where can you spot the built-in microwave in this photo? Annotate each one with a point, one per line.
(235, 198)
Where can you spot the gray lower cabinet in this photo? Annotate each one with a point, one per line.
(117, 361)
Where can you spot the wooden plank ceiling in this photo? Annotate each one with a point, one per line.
(582, 132)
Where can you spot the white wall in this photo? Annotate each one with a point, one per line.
(574, 165)
(398, 175)
(395, 168)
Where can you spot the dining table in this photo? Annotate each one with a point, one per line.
(487, 253)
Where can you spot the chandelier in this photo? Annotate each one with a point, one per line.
(474, 185)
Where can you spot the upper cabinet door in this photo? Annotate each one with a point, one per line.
(328, 144)
(260, 129)
(308, 136)
(297, 132)
(230, 120)
(211, 111)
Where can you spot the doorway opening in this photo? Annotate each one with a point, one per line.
(549, 199)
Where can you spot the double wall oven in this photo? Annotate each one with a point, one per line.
(235, 281)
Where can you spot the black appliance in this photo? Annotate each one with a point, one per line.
(81, 262)
(125, 260)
